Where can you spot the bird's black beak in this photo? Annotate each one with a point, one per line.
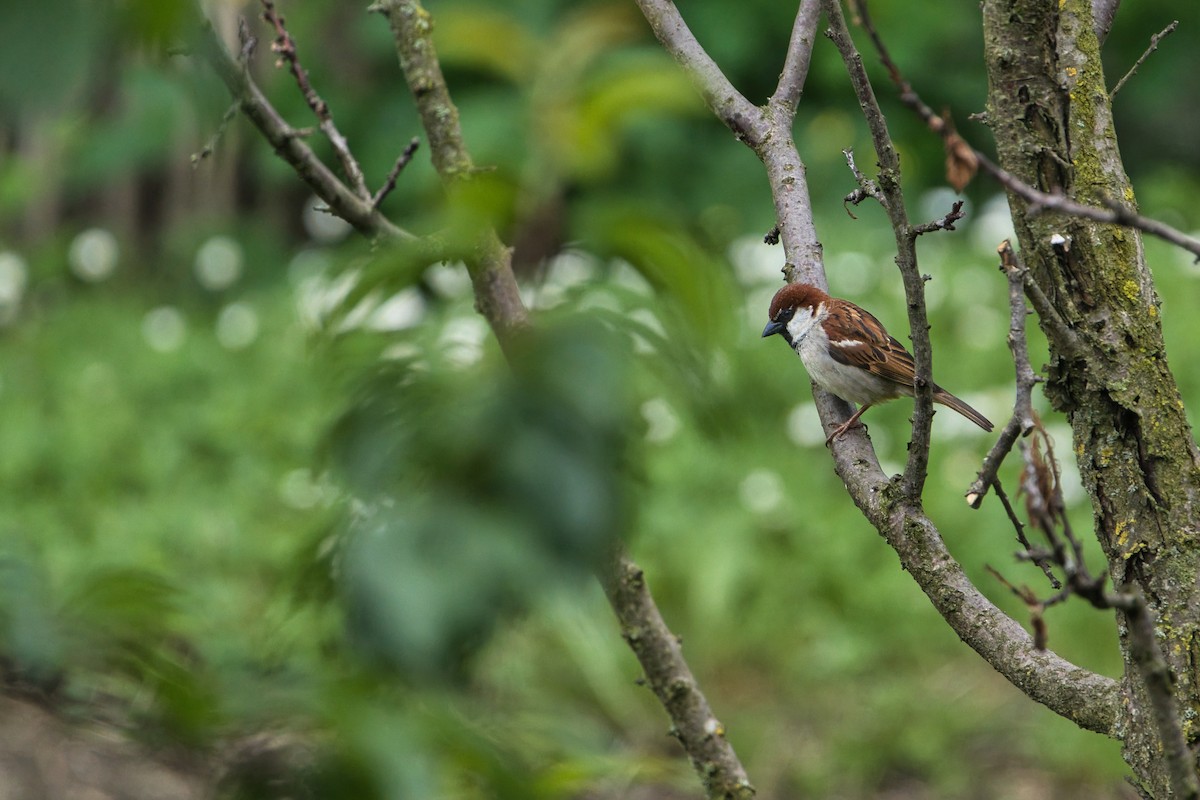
(774, 327)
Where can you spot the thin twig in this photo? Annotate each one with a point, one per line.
(1036, 557)
(960, 152)
(945, 223)
(1154, 40)
(1035, 606)
(866, 186)
(916, 469)
(210, 146)
(289, 144)
(285, 47)
(397, 168)
(1022, 421)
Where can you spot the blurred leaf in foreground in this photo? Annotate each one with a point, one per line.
(475, 491)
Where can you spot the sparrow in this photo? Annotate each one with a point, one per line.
(847, 352)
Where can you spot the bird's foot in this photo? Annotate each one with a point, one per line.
(853, 422)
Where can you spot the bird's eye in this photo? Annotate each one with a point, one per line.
(785, 314)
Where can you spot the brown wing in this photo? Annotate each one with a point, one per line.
(872, 348)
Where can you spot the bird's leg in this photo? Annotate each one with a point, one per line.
(847, 425)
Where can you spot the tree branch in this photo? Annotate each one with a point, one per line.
(917, 467)
(490, 265)
(285, 47)
(1103, 13)
(957, 148)
(658, 650)
(401, 162)
(1154, 40)
(1021, 422)
(1091, 700)
(739, 114)
(290, 146)
(799, 54)
(496, 294)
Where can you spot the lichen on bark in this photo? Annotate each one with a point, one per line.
(1049, 111)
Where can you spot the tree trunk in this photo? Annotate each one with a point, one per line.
(1049, 110)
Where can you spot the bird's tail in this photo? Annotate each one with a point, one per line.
(950, 401)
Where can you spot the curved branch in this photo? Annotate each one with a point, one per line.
(1086, 698)
(727, 103)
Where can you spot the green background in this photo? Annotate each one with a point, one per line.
(376, 538)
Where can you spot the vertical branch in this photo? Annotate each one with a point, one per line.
(490, 266)
(1021, 422)
(799, 53)
(906, 251)
(412, 29)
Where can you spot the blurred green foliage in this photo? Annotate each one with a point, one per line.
(357, 523)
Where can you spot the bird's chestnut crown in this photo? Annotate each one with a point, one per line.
(794, 296)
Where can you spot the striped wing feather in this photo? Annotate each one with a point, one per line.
(873, 349)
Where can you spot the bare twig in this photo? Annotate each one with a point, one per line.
(397, 168)
(957, 148)
(866, 186)
(289, 144)
(945, 223)
(285, 47)
(211, 145)
(1154, 40)
(1022, 420)
(1035, 606)
(1041, 560)
(1047, 511)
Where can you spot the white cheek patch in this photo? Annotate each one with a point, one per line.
(800, 324)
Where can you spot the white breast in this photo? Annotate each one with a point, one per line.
(849, 383)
